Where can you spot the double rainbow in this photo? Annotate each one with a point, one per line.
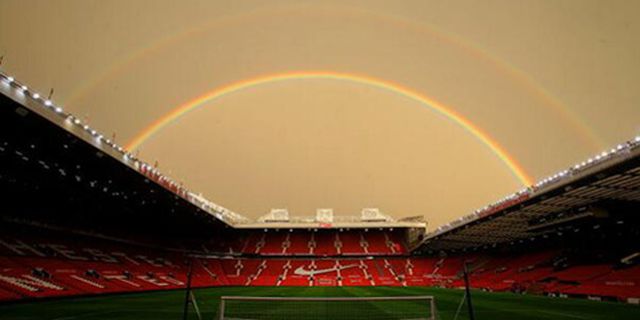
(434, 105)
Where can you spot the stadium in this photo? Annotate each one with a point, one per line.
(90, 230)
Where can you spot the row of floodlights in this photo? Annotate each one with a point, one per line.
(25, 90)
(99, 138)
(605, 155)
(219, 211)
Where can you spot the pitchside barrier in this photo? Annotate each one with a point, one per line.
(328, 308)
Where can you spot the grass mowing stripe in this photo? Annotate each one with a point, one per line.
(393, 309)
(168, 305)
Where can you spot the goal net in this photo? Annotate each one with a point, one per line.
(329, 308)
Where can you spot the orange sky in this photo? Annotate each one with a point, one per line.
(552, 82)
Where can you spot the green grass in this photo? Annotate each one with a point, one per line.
(168, 305)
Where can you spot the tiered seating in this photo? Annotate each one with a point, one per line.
(501, 273)
(269, 274)
(351, 243)
(255, 242)
(621, 283)
(325, 243)
(450, 266)
(274, 243)
(371, 242)
(46, 267)
(313, 244)
(249, 267)
(21, 281)
(33, 277)
(325, 279)
(353, 273)
(422, 266)
(582, 273)
(397, 267)
(377, 242)
(380, 273)
(284, 272)
(394, 242)
(233, 268)
(237, 244)
(209, 272)
(6, 295)
(299, 243)
(293, 279)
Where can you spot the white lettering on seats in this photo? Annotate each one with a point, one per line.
(19, 247)
(101, 255)
(30, 283)
(89, 282)
(65, 252)
(123, 279)
(171, 280)
(124, 256)
(147, 260)
(166, 262)
(153, 281)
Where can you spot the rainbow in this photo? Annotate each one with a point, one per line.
(118, 67)
(434, 105)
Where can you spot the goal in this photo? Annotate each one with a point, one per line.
(327, 308)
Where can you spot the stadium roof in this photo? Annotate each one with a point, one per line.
(606, 186)
(606, 182)
(95, 142)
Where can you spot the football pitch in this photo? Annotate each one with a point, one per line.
(169, 305)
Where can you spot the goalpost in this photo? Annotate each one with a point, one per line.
(329, 308)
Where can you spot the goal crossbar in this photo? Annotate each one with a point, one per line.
(430, 307)
(326, 298)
